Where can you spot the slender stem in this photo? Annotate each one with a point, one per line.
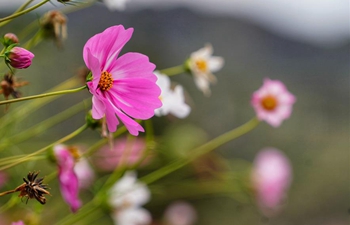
(201, 150)
(22, 7)
(173, 70)
(24, 11)
(7, 192)
(42, 95)
(29, 156)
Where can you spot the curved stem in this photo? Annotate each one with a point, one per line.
(42, 95)
(29, 156)
(23, 12)
(201, 150)
(22, 7)
(173, 70)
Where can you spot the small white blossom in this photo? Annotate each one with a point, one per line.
(84, 173)
(173, 100)
(128, 192)
(202, 64)
(132, 216)
(115, 4)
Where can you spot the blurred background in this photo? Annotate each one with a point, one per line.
(305, 44)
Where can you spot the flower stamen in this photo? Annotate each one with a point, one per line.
(269, 102)
(202, 65)
(106, 81)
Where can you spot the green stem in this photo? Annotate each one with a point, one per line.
(201, 150)
(82, 213)
(42, 95)
(173, 70)
(14, 15)
(29, 156)
(22, 7)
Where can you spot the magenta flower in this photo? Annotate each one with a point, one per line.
(271, 177)
(272, 102)
(68, 180)
(20, 58)
(122, 87)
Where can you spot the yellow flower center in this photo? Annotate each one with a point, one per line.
(269, 102)
(106, 81)
(202, 65)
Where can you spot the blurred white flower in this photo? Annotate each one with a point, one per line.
(84, 173)
(180, 213)
(173, 100)
(128, 192)
(115, 4)
(202, 65)
(132, 216)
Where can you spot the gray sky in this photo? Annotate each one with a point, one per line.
(320, 22)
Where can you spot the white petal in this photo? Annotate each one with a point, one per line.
(215, 63)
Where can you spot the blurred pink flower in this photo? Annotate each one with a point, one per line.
(20, 58)
(84, 173)
(180, 213)
(272, 102)
(108, 158)
(67, 178)
(3, 178)
(18, 223)
(123, 87)
(271, 177)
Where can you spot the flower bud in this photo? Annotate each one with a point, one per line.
(19, 58)
(10, 39)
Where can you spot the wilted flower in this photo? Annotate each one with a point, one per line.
(68, 180)
(272, 102)
(9, 39)
(108, 158)
(271, 177)
(180, 213)
(132, 216)
(54, 26)
(202, 65)
(115, 4)
(173, 100)
(19, 58)
(9, 85)
(84, 173)
(18, 223)
(123, 87)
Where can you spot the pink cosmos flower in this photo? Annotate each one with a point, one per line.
(122, 87)
(272, 102)
(271, 177)
(108, 158)
(17, 223)
(68, 180)
(180, 213)
(20, 58)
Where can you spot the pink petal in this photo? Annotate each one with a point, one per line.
(133, 65)
(132, 126)
(107, 45)
(111, 119)
(98, 108)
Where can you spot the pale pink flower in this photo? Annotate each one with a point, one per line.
(19, 58)
(202, 65)
(18, 223)
(122, 87)
(180, 213)
(173, 100)
(109, 156)
(68, 180)
(132, 216)
(271, 177)
(3, 178)
(84, 173)
(272, 102)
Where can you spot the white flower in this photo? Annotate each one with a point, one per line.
(173, 100)
(128, 192)
(132, 216)
(84, 173)
(202, 64)
(115, 4)
(180, 213)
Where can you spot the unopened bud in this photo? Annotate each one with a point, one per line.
(10, 39)
(19, 58)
